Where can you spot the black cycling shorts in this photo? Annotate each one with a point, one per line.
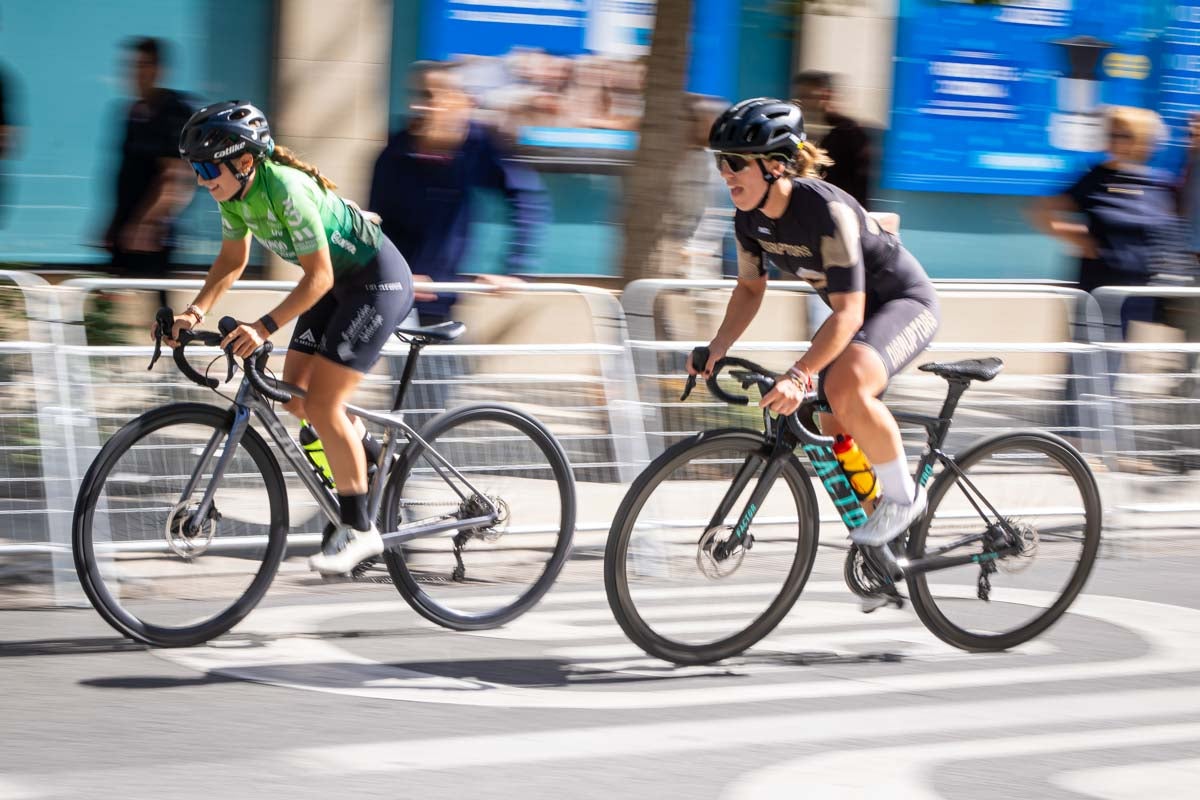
(351, 323)
(899, 331)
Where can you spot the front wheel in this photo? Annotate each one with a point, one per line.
(152, 567)
(1030, 489)
(678, 583)
(479, 578)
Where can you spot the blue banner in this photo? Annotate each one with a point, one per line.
(555, 74)
(1008, 98)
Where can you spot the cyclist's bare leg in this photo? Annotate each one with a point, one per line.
(330, 387)
(297, 370)
(852, 385)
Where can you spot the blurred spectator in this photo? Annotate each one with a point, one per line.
(691, 243)
(153, 185)
(8, 134)
(1120, 216)
(846, 142)
(422, 185)
(1190, 200)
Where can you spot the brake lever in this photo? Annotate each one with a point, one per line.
(226, 326)
(698, 356)
(165, 318)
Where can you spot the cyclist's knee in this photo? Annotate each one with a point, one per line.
(295, 407)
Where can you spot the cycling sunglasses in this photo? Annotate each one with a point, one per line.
(735, 161)
(207, 170)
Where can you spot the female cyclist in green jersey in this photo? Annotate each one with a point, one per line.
(355, 289)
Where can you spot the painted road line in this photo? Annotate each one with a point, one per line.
(906, 772)
(1161, 780)
(822, 728)
(303, 661)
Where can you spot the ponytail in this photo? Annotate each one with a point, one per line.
(287, 158)
(811, 161)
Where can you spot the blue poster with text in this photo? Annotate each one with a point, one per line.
(1009, 98)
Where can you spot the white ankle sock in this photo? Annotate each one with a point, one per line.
(898, 485)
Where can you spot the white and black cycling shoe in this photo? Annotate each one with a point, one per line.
(346, 549)
(889, 520)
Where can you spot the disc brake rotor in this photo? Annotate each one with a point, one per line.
(1028, 538)
(189, 545)
(706, 559)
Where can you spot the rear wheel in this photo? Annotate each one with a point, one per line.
(478, 578)
(1040, 494)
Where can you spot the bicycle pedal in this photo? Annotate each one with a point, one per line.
(874, 602)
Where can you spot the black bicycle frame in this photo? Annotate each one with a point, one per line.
(779, 445)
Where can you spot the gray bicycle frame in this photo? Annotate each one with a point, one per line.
(247, 401)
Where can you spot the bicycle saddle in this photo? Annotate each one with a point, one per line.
(974, 369)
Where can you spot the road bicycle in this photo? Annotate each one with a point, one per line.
(730, 518)
(182, 520)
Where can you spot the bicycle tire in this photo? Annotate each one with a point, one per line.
(616, 579)
(88, 566)
(922, 597)
(421, 600)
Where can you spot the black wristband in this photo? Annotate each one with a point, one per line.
(269, 323)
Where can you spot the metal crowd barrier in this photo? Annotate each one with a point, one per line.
(611, 394)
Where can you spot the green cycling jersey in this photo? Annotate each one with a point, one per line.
(292, 215)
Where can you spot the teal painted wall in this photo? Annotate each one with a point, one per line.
(67, 60)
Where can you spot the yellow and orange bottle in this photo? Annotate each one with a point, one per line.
(858, 470)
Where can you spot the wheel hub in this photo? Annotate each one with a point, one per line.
(717, 555)
(186, 536)
(1025, 536)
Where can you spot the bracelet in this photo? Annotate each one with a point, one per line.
(195, 311)
(798, 377)
(269, 323)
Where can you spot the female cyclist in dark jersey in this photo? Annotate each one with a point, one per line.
(885, 311)
(355, 289)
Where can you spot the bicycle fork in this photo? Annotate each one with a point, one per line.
(779, 454)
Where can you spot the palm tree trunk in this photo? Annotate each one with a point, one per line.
(648, 185)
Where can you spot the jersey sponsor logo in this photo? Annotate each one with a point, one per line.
(366, 321)
(344, 243)
(307, 337)
(394, 286)
(291, 214)
(915, 334)
(228, 151)
(781, 249)
(764, 230)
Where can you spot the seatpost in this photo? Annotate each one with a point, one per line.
(410, 365)
(953, 394)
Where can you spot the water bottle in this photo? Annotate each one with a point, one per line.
(315, 451)
(857, 468)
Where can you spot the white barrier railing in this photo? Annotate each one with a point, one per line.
(617, 409)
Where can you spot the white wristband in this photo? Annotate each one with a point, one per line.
(195, 311)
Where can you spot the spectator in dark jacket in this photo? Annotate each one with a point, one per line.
(846, 142)
(423, 181)
(153, 185)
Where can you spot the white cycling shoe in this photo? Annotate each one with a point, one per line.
(889, 520)
(346, 549)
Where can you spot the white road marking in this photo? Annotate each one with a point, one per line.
(1161, 780)
(822, 728)
(904, 772)
(288, 658)
(10, 789)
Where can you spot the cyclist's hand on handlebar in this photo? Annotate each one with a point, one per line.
(784, 398)
(183, 322)
(715, 354)
(245, 339)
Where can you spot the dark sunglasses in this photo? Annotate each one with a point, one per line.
(736, 163)
(207, 170)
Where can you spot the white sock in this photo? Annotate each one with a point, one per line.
(898, 485)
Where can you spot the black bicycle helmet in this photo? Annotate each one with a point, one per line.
(760, 125)
(223, 131)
